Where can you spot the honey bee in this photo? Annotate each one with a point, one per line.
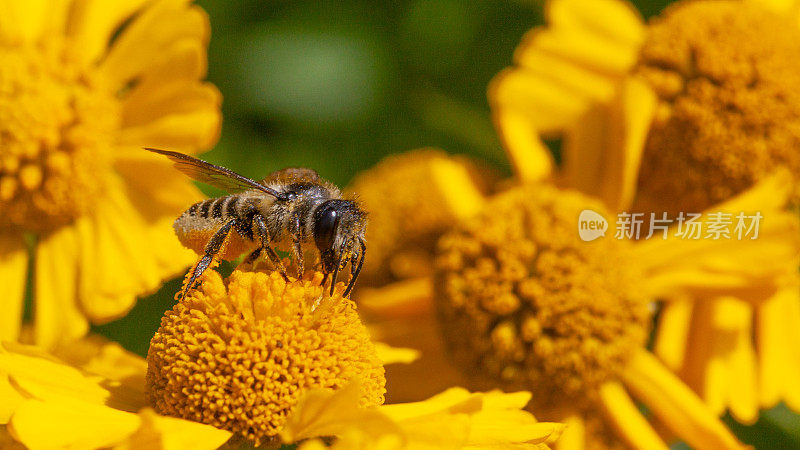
(293, 203)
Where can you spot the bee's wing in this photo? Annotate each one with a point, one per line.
(213, 175)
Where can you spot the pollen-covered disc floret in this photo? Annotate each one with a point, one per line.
(238, 353)
(55, 126)
(727, 75)
(524, 302)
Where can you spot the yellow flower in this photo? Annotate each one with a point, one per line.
(254, 357)
(83, 86)
(523, 302)
(237, 354)
(669, 117)
(527, 305)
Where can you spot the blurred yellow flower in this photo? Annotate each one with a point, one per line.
(83, 86)
(577, 344)
(253, 358)
(676, 120)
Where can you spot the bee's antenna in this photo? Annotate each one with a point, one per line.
(358, 268)
(338, 264)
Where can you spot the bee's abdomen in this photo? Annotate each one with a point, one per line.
(197, 224)
(215, 208)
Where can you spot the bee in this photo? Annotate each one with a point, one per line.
(290, 204)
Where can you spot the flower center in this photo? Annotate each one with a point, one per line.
(55, 130)
(525, 303)
(727, 75)
(237, 354)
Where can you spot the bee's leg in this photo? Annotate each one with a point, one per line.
(211, 251)
(261, 227)
(353, 260)
(324, 279)
(358, 267)
(253, 256)
(298, 248)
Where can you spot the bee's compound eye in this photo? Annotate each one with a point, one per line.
(325, 222)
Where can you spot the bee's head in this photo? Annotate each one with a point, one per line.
(339, 227)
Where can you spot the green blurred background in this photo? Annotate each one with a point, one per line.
(337, 86)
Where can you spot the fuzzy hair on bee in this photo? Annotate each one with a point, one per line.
(293, 205)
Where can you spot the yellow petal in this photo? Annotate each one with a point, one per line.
(179, 98)
(701, 358)
(123, 371)
(169, 433)
(583, 48)
(325, 413)
(610, 20)
(454, 182)
(492, 429)
(102, 357)
(770, 194)
(153, 185)
(56, 313)
(547, 106)
(630, 117)
(548, 70)
(453, 399)
(754, 268)
(733, 339)
(529, 157)
(399, 299)
(184, 132)
(741, 361)
(482, 420)
(674, 404)
(10, 398)
(583, 149)
(673, 331)
(151, 33)
(36, 374)
(497, 400)
(394, 355)
(30, 20)
(626, 418)
(777, 322)
(437, 431)
(183, 60)
(93, 22)
(75, 424)
(116, 261)
(159, 194)
(14, 273)
(574, 435)
(723, 369)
